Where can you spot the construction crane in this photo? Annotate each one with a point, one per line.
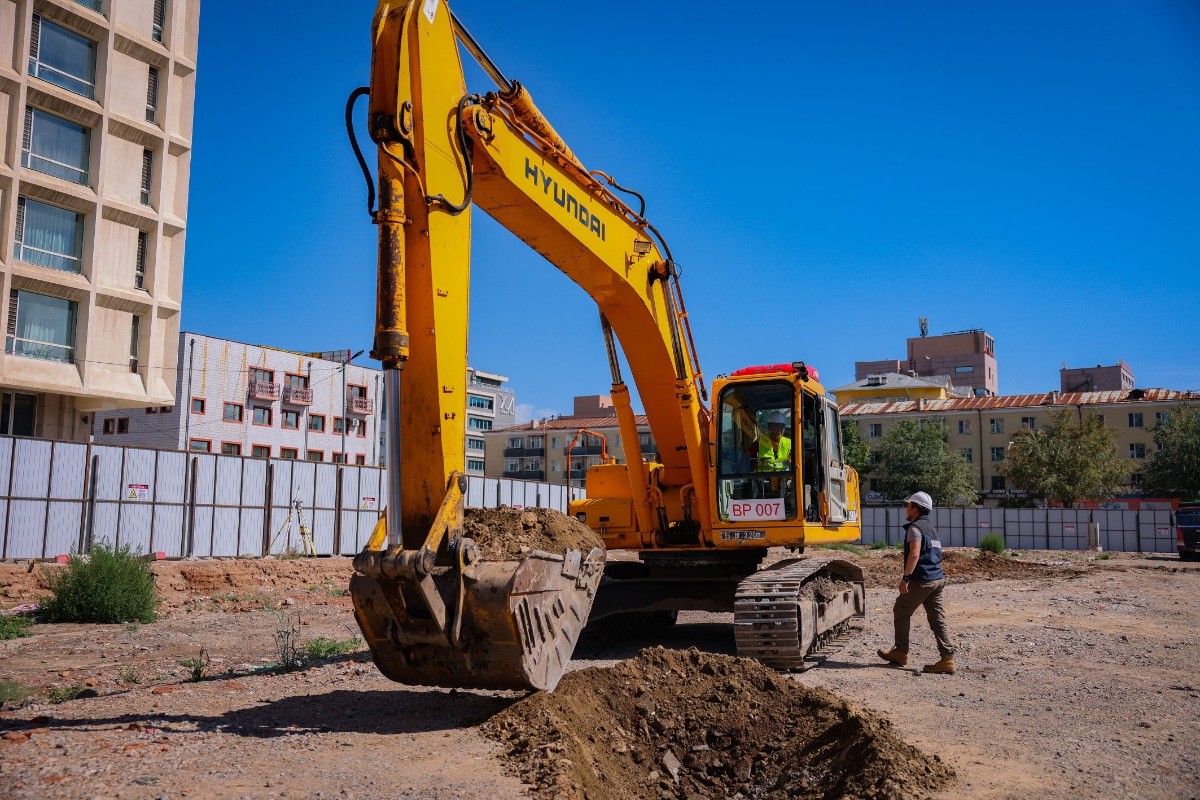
(760, 466)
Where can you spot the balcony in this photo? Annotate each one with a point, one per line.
(526, 475)
(359, 405)
(584, 450)
(517, 452)
(296, 396)
(261, 390)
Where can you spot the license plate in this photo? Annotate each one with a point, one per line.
(743, 536)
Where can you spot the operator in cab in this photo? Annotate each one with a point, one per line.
(775, 449)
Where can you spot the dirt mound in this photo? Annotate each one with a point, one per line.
(506, 534)
(961, 566)
(687, 724)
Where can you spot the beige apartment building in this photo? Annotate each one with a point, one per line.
(96, 104)
(968, 358)
(981, 428)
(537, 450)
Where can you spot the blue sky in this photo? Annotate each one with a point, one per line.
(825, 174)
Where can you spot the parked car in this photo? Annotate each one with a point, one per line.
(1187, 531)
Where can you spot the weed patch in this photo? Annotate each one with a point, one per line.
(14, 627)
(13, 692)
(844, 547)
(63, 694)
(323, 647)
(197, 667)
(992, 543)
(129, 675)
(112, 584)
(879, 545)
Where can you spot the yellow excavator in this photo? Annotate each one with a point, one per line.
(762, 467)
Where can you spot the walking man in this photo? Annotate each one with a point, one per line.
(921, 585)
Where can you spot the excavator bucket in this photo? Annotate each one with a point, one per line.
(439, 616)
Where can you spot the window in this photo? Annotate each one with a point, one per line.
(122, 424)
(968, 455)
(94, 5)
(555, 442)
(231, 449)
(876, 484)
(289, 419)
(40, 326)
(1137, 450)
(512, 465)
(234, 412)
(360, 460)
(262, 415)
(110, 425)
(48, 236)
(475, 401)
(1137, 420)
(534, 442)
(875, 430)
(1029, 423)
(998, 483)
(151, 94)
(56, 146)
(359, 425)
(1162, 417)
(315, 455)
(18, 416)
(339, 425)
(475, 444)
(996, 426)
(477, 424)
(133, 344)
(964, 369)
(139, 266)
(288, 452)
(964, 426)
(260, 375)
(556, 466)
(876, 458)
(1100, 417)
(474, 465)
(997, 454)
(147, 169)
(62, 57)
(356, 392)
(292, 381)
(316, 422)
(514, 442)
(339, 458)
(532, 465)
(260, 451)
(160, 17)
(200, 446)
(198, 405)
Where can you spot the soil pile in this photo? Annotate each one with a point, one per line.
(687, 724)
(507, 534)
(961, 567)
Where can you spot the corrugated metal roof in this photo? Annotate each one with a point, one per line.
(571, 424)
(1021, 401)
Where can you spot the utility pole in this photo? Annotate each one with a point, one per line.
(187, 412)
(307, 411)
(345, 405)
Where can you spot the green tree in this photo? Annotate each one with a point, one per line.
(1070, 459)
(916, 458)
(854, 449)
(1174, 471)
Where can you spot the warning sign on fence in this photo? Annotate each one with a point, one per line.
(1068, 529)
(137, 491)
(368, 504)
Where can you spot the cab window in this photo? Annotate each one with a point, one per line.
(756, 457)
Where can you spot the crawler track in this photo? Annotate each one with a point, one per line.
(780, 620)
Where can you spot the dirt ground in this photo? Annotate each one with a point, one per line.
(1077, 679)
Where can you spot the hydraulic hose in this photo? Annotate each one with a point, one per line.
(358, 154)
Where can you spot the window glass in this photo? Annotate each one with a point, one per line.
(20, 413)
(261, 451)
(231, 449)
(57, 147)
(64, 58)
(316, 422)
(201, 446)
(233, 412)
(49, 236)
(757, 465)
(262, 416)
(45, 328)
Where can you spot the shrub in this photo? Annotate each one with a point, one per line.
(992, 543)
(879, 545)
(287, 637)
(197, 667)
(848, 548)
(110, 585)
(129, 675)
(13, 692)
(15, 627)
(322, 647)
(61, 694)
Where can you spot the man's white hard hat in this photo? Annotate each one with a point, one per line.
(776, 418)
(922, 499)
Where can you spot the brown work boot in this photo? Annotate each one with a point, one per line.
(895, 655)
(943, 667)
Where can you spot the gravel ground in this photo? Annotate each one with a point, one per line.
(1079, 681)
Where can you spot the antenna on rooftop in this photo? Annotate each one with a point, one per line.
(924, 322)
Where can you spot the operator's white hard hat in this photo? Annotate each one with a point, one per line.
(776, 418)
(921, 499)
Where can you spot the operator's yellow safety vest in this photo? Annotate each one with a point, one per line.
(769, 460)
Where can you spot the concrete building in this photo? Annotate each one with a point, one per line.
(981, 428)
(894, 386)
(1117, 378)
(251, 400)
(968, 358)
(537, 450)
(96, 101)
(490, 405)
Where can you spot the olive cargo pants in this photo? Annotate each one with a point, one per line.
(928, 594)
